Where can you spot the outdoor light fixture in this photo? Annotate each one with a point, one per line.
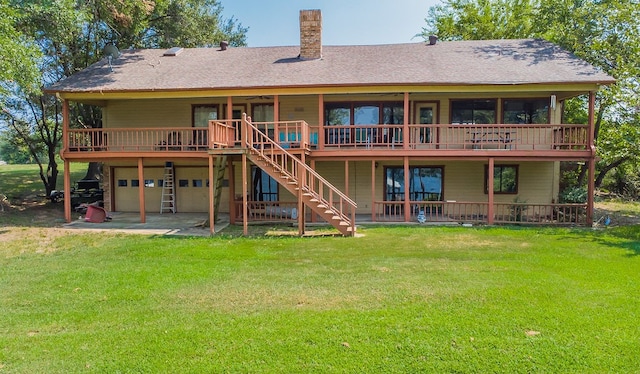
(553, 102)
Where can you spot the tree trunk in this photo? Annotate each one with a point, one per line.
(608, 168)
(94, 171)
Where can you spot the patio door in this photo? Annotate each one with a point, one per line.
(426, 114)
(264, 115)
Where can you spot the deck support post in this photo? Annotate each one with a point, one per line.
(591, 181)
(590, 192)
(373, 190)
(67, 172)
(232, 192)
(212, 194)
(346, 177)
(321, 138)
(407, 197)
(67, 191)
(490, 208)
(143, 214)
(405, 124)
(245, 207)
(302, 175)
(314, 217)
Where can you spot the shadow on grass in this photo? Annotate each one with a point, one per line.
(625, 237)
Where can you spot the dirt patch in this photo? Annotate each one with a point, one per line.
(620, 214)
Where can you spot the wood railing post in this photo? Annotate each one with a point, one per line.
(243, 130)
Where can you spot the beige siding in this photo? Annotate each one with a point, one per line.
(177, 112)
(153, 113)
(463, 181)
(189, 198)
(295, 108)
(192, 197)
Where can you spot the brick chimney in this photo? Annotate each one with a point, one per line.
(310, 34)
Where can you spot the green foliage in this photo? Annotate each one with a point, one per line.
(604, 33)
(14, 149)
(20, 56)
(573, 195)
(402, 299)
(52, 40)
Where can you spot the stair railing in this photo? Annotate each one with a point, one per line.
(308, 179)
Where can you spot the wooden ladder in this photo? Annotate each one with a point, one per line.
(168, 202)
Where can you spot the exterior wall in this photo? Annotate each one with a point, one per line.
(190, 197)
(106, 187)
(177, 112)
(463, 181)
(295, 108)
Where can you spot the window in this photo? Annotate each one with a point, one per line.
(196, 182)
(338, 115)
(505, 179)
(265, 188)
(264, 113)
(149, 183)
(470, 112)
(525, 111)
(202, 114)
(160, 182)
(135, 183)
(363, 115)
(183, 183)
(425, 183)
(122, 183)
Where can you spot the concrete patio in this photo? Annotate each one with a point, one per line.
(187, 224)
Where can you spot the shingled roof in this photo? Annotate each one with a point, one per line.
(486, 62)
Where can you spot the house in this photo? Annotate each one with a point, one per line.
(462, 131)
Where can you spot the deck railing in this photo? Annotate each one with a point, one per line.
(139, 140)
(456, 137)
(276, 211)
(476, 212)
(298, 134)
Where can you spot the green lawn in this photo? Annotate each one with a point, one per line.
(18, 182)
(401, 299)
(26, 203)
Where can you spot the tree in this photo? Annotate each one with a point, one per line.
(18, 63)
(604, 33)
(71, 35)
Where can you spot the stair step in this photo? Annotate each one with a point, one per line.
(344, 223)
(328, 212)
(314, 200)
(322, 206)
(336, 218)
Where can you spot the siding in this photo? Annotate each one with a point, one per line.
(177, 112)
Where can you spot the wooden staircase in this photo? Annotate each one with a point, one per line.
(299, 179)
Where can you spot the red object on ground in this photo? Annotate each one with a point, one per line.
(95, 214)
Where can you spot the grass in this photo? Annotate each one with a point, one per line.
(26, 203)
(398, 299)
(418, 299)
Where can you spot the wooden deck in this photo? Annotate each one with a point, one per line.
(550, 141)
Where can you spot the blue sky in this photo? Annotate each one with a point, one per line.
(275, 22)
